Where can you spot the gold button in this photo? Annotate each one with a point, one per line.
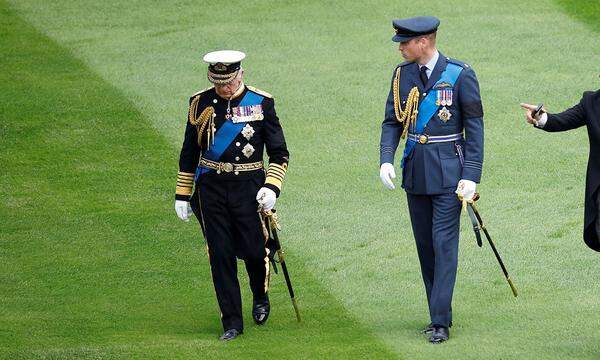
(237, 172)
(237, 158)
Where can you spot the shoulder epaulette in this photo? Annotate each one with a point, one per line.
(194, 100)
(458, 62)
(405, 63)
(201, 91)
(259, 91)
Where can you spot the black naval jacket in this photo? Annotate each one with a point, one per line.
(587, 113)
(267, 132)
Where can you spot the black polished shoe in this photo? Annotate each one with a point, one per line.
(231, 334)
(260, 310)
(429, 328)
(439, 334)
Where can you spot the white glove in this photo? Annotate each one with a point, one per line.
(386, 174)
(183, 210)
(266, 198)
(465, 190)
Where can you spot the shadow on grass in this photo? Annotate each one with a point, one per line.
(586, 11)
(93, 261)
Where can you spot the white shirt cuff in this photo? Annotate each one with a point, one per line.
(542, 120)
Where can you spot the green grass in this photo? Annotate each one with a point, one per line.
(95, 263)
(586, 11)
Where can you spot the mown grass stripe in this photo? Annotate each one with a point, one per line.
(586, 11)
(93, 261)
(328, 64)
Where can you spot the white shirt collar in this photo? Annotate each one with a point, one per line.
(431, 63)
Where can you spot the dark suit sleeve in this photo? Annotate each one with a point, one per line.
(276, 148)
(391, 130)
(569, 119)
(472, 114)
(188, 161)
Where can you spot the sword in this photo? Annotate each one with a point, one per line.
(271, 225)
(475, 224)
(478, 224)
(472, 209)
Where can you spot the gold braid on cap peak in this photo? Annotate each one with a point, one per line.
(411, 109)
(221, 79)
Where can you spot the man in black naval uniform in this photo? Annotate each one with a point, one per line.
(228, 127)
(434, 102)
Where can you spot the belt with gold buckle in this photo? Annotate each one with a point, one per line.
(429, 139)
(228, 167)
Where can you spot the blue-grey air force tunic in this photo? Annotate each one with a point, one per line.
(436, 168)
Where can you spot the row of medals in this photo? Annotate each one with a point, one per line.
(247, 131)
(444, 98)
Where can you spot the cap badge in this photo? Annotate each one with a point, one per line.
(220, 67)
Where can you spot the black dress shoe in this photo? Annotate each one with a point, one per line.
(429, 328)
(439, 334)
(231, 334)
(260, 310)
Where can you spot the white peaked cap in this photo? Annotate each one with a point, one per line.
(224, 57)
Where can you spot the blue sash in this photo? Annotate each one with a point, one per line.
(227, 133)
(427, 107)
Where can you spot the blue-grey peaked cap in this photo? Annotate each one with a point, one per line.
(410, 28)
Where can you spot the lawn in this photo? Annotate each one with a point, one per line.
(95, 264)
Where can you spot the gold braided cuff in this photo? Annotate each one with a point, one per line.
(275, 175)
(185, 183)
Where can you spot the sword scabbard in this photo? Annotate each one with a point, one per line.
(493, 246)
(512, 286)
(295, 304)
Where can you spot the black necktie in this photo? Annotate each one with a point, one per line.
(423, 75)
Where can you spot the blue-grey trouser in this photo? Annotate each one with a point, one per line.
(436, 224)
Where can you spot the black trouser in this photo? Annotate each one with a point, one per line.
(232, 228)
(436, 223)
(597, 198)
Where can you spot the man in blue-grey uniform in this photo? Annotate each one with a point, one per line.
(434, 103)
